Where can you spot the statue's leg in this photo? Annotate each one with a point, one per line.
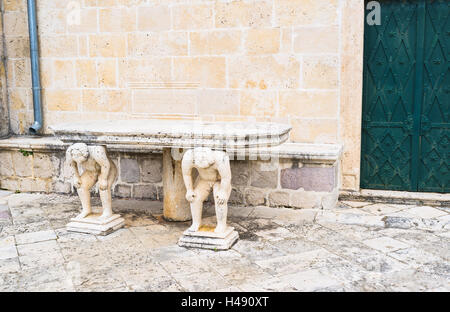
(202, 189)
(105, 195)
(88, 179)
(221, 211)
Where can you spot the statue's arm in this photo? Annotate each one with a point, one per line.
(100, 156)
(186, 169)
(73, 168)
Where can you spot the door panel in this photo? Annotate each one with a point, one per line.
(389, 77)
(406, 96)
(434, 162)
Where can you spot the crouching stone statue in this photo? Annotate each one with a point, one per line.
(96, 167)
(213, 174)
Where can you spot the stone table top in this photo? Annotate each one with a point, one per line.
(175, 133)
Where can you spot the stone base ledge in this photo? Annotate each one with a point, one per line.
(310, 152)
(397, 197)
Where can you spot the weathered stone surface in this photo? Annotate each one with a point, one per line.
(129, 170)
(122, 190)
(45, 165)
(278, 198)
(151, 169)
(22, 165)
(255, 197)
(28, 238)
(6, 165)
(240, 172)
(145, 192)
(302, 199)
(263, 177)
(236, 197)
(309, 178)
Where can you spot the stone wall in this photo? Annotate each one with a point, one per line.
(290, 61)
(290, 183)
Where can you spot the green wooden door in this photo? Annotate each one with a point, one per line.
(406, 96)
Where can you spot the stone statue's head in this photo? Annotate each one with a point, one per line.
(79, 152)
(203, 157)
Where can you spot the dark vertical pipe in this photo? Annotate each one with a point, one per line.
(34, 55)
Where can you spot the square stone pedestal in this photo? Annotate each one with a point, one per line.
(205, 238)
(93, 224)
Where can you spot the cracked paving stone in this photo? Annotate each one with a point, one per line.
(285, 265)
(199, 282)
(257, 250)
(34, 237)
(385, 244)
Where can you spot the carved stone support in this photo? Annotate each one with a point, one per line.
(96, 167)
(214, 175)
(176, 207)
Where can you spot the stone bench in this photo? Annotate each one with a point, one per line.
(304, 175)
(187, 145)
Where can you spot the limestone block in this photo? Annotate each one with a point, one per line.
(33, 185)
(314, 130)
(6, 164)
(309, 178)
(61, 100)
(264, 72)
(158, 44)
(236, 197)
(58, 46)
(153, 18)
(18, 47)
(263, 178)
(308, 200)
(309, 104)
(45, 165)
(145, 192)
(215, 42)
(305, 12)
(117, 19)
(243, 13)
(163, 101)
(106, 73)
(23, 164)
(255, 197)
(122, 190)
(129, 170)
(258, 103)
(279, 199)
(64, 74)
(151, 169)
(240, 173)
(320, 72)
(192, 16)
(106, 100)
(226, 102)
(208, 71)
(61, 187)
(321, 39)
(9, 184)
(107, 45)
(86, 73)
(262, 41)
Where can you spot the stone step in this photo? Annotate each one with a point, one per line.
(397, 197)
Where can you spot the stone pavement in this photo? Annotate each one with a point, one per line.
(359, 246)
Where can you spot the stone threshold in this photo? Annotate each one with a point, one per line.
(371, 221)
(313, 153)
(397, 197)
